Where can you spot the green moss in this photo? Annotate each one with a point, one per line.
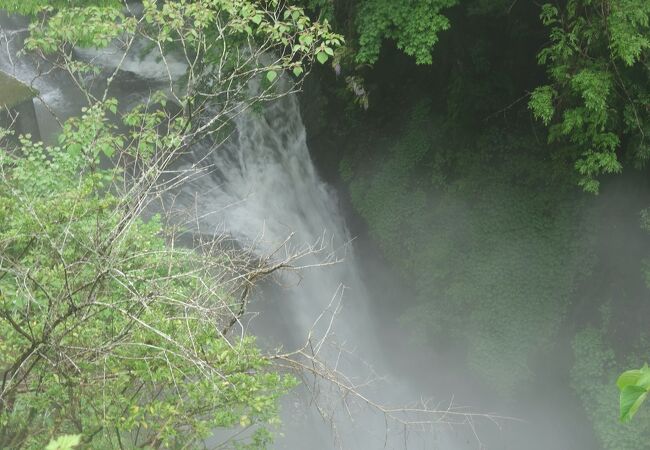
(492, 244)
(13, 92)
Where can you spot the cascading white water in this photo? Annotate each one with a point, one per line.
(262, 187)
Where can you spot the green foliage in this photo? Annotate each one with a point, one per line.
(95, 310)
(599, 87)
(593, 376)
(541, 103)
(89, 26)
(628, 25)
(210, 30)
(414, 25)
(493, 246)
(634, 386)
(30, 7)
(66, 442)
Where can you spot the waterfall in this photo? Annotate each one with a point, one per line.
(264, 188)
(261, 187)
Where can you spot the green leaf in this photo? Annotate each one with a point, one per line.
(297, 71)
(271, 75)
(631, 399)
(628, 378)
(66, 442)
(74, 149)
(322, 57)
(644, 379)
(257, 19)
(306, 39)
(108, 150)
(541, 103)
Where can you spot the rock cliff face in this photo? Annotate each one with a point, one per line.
(16, 104)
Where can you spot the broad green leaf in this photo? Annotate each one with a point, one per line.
(628, 378)
(322, 57)
(271, 75)
(74, 149)
(631, 399)
(66, 442)
(108, 150)
(297, 71)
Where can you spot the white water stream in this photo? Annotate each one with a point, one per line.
(264, 188)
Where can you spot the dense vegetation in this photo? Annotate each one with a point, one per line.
(117, 327)
(95, 312)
